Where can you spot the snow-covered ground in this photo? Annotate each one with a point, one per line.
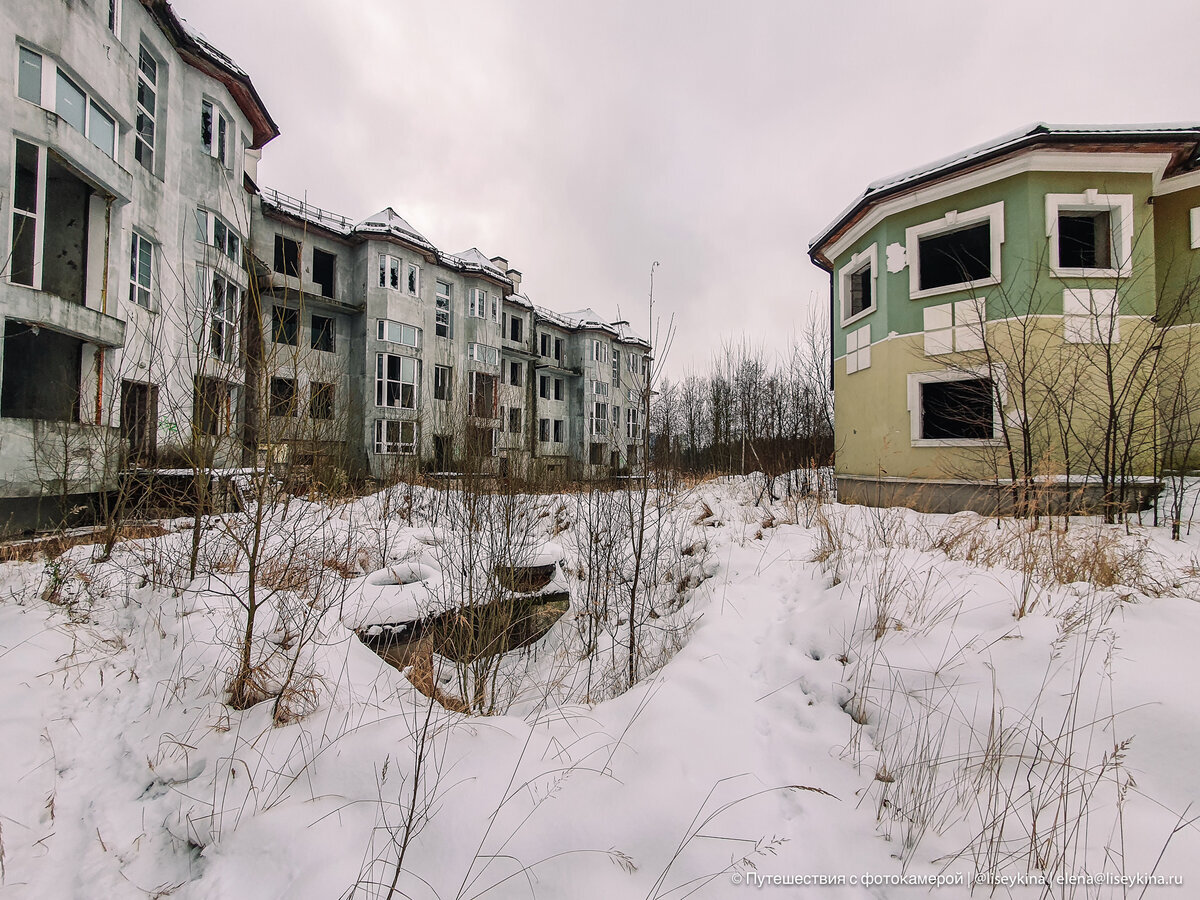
(828, 692)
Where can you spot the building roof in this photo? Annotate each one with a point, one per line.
(589, 320)
(474, 260)
(198, 52)
(1143, 137)
(388, 221)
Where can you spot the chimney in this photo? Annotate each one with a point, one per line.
(515, 277)
(500, 263)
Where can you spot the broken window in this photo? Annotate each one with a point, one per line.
(616, 367)
(287, 256)
(215, 131)
(286, 326)
(212, 406)
(42, 371)
(222, 331)
(558, 350)
(547, 346)
(599, 418)
(633, 430)
(320, 400)
(1085, 240)
(481, 399)
(956, 257)
(211, 229)
(558, 388)
(398, 333)
(413, 279)
(324, 265)
(442, 316)
(396, 381)
(558, 431)
(114, 16)
(482, 353)
(323, 329)
(516, 326)
(514, 420)
(147, 109)
(596, 454)
(141, 271)
(544, 430)
(443, 378)
(961, 409)
(514, 373)
(544, 387)
(389, 272)
(478, 304)
(283, 397)
(393, 437)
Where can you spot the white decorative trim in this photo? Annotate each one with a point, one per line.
(1177, 183)
(1090, 316)
(858, 350)
(916, 379)
(1120, 207)
(897, 258)
(868, 256)
(953, 220)
(1195, 218)
(1152, 164)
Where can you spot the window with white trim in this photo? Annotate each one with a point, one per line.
(633, 428)
(858, 284)
(443, 304)
(443, 381)
(216, 132)
(395, 438)
(412, 280)
(147, 108)
(1091, 234)
(482, 353)
(959, 250)
(141, 271)
(211, 229)
(514, 374)
(599, 351)
(225, 303)
(952, 408)
(954, 327)
(481, 394)
(41, 77)
(398, 333)
(396, 380)
(1090, 316)
(389, 272)
(616, 367)
(858, 350)
(114, 16)
(1194, 215)
(599, 418)
(600, 388)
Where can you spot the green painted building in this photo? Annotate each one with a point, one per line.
(1015, 314)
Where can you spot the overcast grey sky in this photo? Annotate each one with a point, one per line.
(582, 141)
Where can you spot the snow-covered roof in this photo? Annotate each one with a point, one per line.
(388, 221)
(519, 300)
(474, 260)
(302, 209)
(588, 318)
(1021, 137)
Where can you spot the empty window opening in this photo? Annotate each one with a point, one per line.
(393, 437)
(139, 415)
(558, 388)
(42, 370)
(481, 401)
(544, 430)
(323, 330)
(283, 397)
(212, 407)
(1085, 240)
(514, 373)
(320, 400)
(65, 238)
(596, 454)
(860, 291)
(286, 326)
(956, 257)
(558, 431)
(324, 266)
(516, 327)
(957, 410)
(287, 256)
(443, 379)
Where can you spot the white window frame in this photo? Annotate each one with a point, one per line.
(600, 388)
(483, 353)
(858, 349)
(969, 373)
(141, 283)
(37, 216)
(231, 249)
(477, 303)
(401, 333)
(412, 279)
(382, 381)
(394, 443)
(143, 77)
(993, 213)
(114, 17)
(49, 73)
(444, 306)
(599, 351)
(222, 134)
(599, 418)
(222, 316)
(447, 382)
(868, 257)
(954, 327)
(1091, 316)
(1120, 210)
(391, 268)
(633, 428)
(1194, 215)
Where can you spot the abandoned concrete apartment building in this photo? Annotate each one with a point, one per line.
(154, 298)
